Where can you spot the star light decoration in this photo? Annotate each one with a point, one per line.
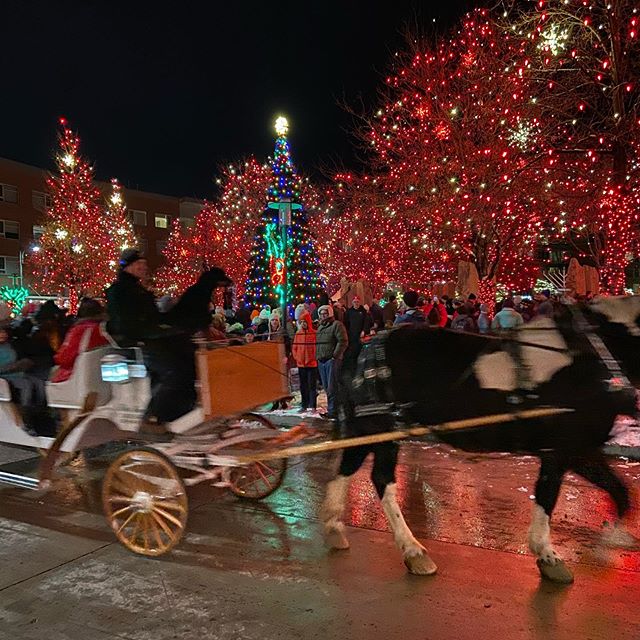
(76, 251)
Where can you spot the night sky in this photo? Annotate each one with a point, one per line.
(162, 94)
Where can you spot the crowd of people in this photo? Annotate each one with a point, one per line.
(322, 339)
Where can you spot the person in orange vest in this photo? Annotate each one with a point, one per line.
(304, 353)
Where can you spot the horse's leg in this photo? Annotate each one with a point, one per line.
(415, 555)
(336, 497)
(596, 470)
(553, 466)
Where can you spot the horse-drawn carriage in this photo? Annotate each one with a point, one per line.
(144, 489)
(563, 417)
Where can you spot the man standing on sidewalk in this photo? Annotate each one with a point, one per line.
(331, 343)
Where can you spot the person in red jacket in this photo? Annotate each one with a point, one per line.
(436, 313)
(84, 335)
(304, 353)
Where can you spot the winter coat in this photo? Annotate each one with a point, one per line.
(506, 319)
(8, 358)
(463, 322)
(376, 316)
(66, 356)
(484, 324)
(411, 316)
(356, 321)
(331, 340)
(133, 314)
(304, 343)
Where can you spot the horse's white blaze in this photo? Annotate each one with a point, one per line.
(500, 370)
(403, 537)
(540, 536)
(620, 309)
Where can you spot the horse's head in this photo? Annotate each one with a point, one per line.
(214, 277)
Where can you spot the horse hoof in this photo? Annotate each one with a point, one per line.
(557, 572)
(337, 540)
(420, 565)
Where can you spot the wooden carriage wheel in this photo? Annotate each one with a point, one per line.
(256, 480)
(145, 501)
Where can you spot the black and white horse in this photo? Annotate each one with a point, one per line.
(438, 375)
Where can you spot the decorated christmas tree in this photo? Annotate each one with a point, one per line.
(118, 222)
(283, 264)
(76, 253)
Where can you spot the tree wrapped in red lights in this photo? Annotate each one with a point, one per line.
(583, 60)
(76, 252)
(118, 222)
(457, 155)
(359, 237)
(223, 231)
(283, 268)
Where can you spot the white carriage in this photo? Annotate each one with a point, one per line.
(144, 489)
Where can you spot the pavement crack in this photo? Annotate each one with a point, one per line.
(62, 564)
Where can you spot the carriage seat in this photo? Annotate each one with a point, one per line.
(5, 391)
(85, 378)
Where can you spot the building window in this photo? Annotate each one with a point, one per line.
(10, 265)
(10, 229)
(187, 223)
(8, 193)
(162, 220)
(40, 200)
(160, 246)
(38, 232)
(139, 217)
(142, 245)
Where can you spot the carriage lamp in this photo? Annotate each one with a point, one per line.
(114, 368)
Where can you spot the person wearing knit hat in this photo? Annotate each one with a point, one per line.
(254, 314)
(300, 309)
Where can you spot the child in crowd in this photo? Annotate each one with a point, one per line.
(304, 353)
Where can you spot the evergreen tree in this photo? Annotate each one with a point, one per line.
(76, 252)
(119, 224)
(270, 257)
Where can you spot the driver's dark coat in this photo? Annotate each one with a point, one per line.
(133, 314)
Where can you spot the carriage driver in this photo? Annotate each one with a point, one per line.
(169, 354)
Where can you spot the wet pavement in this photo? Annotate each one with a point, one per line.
(260, 570)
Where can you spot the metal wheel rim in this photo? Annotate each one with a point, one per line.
(258, 479)
(145, 502)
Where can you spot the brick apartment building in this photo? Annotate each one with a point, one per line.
(23, 200)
